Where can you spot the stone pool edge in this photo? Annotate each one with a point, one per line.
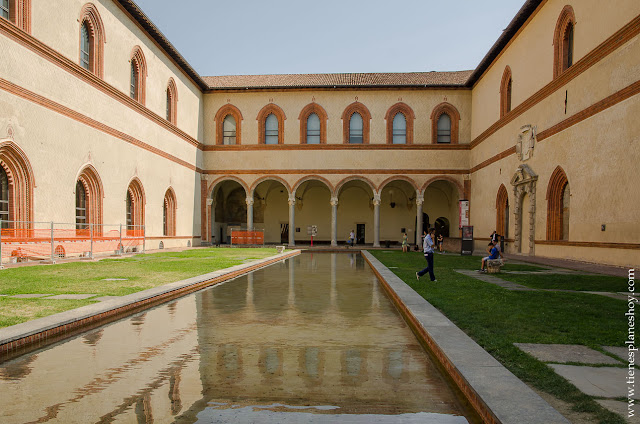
(27, 336)
(495, 393)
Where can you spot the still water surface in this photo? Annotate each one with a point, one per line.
(311, 339)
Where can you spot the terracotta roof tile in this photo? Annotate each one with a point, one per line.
(458, 78)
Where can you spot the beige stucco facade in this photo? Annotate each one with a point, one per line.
(60, 119)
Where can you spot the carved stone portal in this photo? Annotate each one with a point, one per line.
(526, 142)
(524, 182)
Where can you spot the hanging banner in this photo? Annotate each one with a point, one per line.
(463, 206)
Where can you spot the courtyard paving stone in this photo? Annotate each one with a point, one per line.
(608, 382)
(488, 278)
(614, 406)
(566, 353)
(620, 352)
(30, 296)
(72, 296)
(105, 298)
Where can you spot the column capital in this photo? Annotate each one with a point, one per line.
(292, 200)
(209, 202)
(333, 201)
(419, 199)
(249, 201)
(376, 199)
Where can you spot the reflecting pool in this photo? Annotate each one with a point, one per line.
(300, 341)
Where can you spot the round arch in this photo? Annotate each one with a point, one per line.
(457, 183)
(260, 180)
(397, 178)
(346, 180)
(313, 178)
(215, 182)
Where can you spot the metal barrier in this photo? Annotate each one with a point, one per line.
(22, 241)
(247, 237)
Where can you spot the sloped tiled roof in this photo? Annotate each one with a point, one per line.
(400, 79)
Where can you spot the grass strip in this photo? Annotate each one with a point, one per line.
(497, 318)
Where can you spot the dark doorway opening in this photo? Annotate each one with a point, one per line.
(360, 233)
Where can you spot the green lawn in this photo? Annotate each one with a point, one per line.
(496, 318)
(141, 272)
(603, 283)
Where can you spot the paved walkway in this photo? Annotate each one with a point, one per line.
(574, 265)
(492, 279)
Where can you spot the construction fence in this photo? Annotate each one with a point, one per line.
(50, 241)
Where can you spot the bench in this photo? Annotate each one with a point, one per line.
(494, 265)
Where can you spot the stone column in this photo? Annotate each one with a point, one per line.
(292, 220)
(249, 201)
(419, 202)
(334, 221)
(376, 220)
(211, 219)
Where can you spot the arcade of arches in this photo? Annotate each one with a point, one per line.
(376, 213)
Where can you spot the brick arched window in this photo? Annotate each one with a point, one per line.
(172, 102)
(400, 128)
(505, 92)
(135, 206)
(313, 129)
(271, 125)
(563, 41)
(228, 125)
(92, 39)
(138, 83)
(169, 213)
(444, 129)
(18, 12)
(16, 203)
(89, 195)
(502, 211)
(356, 128)
(558, 206)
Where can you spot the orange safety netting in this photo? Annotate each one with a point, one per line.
(35, 244)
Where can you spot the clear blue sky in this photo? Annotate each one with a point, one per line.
(247, 37)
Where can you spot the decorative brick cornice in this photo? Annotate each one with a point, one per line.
(567, 17)
(222, 113)
(89, 14)
(409, 116)
(366, 121)
(304, 115)
(555, 197)
(269, 109)
(505, 91)
(453, 113)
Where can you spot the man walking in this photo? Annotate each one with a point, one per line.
(428, 255)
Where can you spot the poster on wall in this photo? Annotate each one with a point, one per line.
(464, 213)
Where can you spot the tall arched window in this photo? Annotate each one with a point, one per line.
(138, 75)
(505, 92)
(355, 129)
(399, 119)
(92, 40)
(18, 12)
(356, 120)
(271, 124)
(135, 206)
(444, 129)
(313, 129)
(81, 207)
(563, 41)
(85, 47)
(229, 130)
(4, 198)
(502, 211)
(169, 213)
(129, 217)
(172, 102)
(228, 125)
(558, 206)
(399, 129)
(271, 129)
(444, 124)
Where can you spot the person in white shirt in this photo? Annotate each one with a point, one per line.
(428, 255)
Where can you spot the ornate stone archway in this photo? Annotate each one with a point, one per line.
(524, 182)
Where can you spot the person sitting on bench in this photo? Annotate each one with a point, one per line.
(493, 254)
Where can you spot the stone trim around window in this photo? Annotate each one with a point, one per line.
(567, 17)
(366, 121)
(89, 14)
(453, 113)
(304, 115)
(261, 118)
(409, 115)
